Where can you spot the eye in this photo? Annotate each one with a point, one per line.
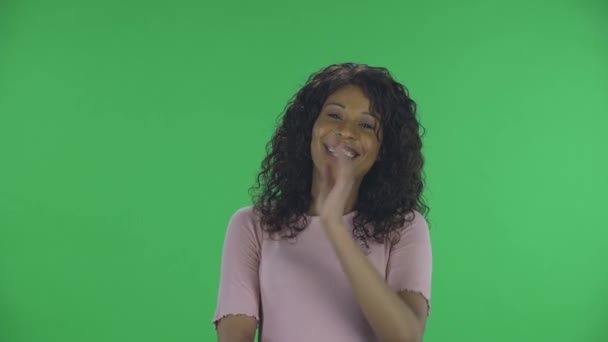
(333, 115)
(368, 126)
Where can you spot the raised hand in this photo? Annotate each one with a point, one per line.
(336, 183)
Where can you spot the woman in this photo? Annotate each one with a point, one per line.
(335, 247)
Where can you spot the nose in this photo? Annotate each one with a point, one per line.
(345, 130)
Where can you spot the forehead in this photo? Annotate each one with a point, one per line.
(349, 93)
(350, 96)
(353, 98)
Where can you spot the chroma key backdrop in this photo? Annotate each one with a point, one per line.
(131, 131)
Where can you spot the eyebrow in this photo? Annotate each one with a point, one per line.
(342, 106)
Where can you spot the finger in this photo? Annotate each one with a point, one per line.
(342, 157)
(324, 182)
(344, 165)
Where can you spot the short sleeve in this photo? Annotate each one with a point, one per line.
(410, 260)
(239, 287)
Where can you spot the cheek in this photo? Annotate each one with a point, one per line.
(319, 131)
(372, 145)
(315, 135)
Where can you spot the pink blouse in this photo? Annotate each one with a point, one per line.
(297, 287)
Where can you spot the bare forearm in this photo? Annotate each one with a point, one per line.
(237, 328)
(390, 318)
(235, 338)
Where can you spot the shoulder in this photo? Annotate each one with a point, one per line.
(245, 222)
(418, 222)
(244, 215)
(415, 228)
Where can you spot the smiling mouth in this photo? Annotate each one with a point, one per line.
(332, 153)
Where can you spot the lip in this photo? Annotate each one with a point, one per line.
(334, 140)
(327, 152)
(346, 145)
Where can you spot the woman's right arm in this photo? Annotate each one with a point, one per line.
(237, 313)
(237, 328)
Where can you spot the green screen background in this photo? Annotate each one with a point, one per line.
(131, 131)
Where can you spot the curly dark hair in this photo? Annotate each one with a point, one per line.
(392, 188)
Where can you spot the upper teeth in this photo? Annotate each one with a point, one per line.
(346, 152)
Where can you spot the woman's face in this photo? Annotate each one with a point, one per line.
(344, 117)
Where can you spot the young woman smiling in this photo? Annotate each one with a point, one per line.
(336, 246)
